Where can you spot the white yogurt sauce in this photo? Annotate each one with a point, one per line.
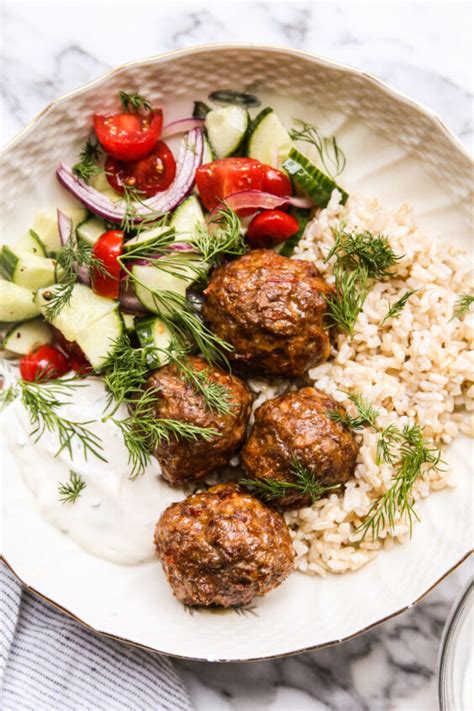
(113, 517)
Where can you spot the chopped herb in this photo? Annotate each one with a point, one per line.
(222, 236)
(463, 305)
(87, 166)
(133, 103)
(366, 413)
(71, 491)
(364, 249)
(397, 307)
(330, 154)
(346, 302)
(304, 482)
(41, 401)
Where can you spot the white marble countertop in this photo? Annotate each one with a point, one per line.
(422, 49)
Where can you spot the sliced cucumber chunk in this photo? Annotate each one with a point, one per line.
(227, 128)
(147, 237)
(16, 302)
(90, 230)
(83, 308)
(150, 281)
(153, 333)
(186, 217)
(26, 269)
(46, 225)
(100, 339)
(27, 337)
(99, 182)
(314, 182)
(208, 154)
(129, 322)
(30, 242)
(269, 141)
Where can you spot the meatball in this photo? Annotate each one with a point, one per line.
(183, 460)
(295, 427)
(222, 547)
(271, 310)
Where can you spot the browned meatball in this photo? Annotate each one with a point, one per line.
(296, 427)
(184, 460)
(271, 310)
(222, 547)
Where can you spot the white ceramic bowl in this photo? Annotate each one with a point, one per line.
(397, 151)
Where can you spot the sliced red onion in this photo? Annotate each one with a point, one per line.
(66, 230)
(181, 126)
(189, 158)
(258, 200)
(128, 300)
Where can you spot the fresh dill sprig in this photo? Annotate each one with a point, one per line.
(330, 154)
(303, 481)
(346, 302)
(463, 305)
(73, 255)
(133, 102)
(124, 372)
(87, 166)
(364, 249)
(69, 492)
(397, 307)
(366, 413)
(41, 401)
(407, 451)
(143, 432)
(222, 236)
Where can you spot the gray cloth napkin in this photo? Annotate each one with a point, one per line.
(49, 662)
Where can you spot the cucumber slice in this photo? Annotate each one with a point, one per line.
(26, 269)
(149, 279)
(90, 230)
(129, 322)
(148, 236)
(46, 225)
(16, 302)
(27, 337)
(208, 154)
(99, 182)
(227, 128)
(200, 109)
(186, 217)
(30, 242)
(83, 308)
(314, 182)
(100, 339)
(269, 141)
(153, 333)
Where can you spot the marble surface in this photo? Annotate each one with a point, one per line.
(423, 49)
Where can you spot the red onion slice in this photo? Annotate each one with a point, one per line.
(181, 126)
(189, 158)
(128, 300)
(258, 200)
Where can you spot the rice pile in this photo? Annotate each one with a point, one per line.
(418, 368)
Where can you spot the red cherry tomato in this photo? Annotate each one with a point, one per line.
(46, 363)
(270, 228)
(128, 136)
(276, 182)
(80, 364)
(108, 247)
(221, 178)
(149, 175)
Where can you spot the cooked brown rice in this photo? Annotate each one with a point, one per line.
(417, 368)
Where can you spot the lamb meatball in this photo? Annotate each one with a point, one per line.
(222, 547)
(296, 426)
(184, 460)
(271, 310)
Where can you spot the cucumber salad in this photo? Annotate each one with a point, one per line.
(112, 289)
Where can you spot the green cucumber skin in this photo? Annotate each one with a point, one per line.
(303, 218)
(317, 184)
(8, 263)
(254, 123)
(200, 109)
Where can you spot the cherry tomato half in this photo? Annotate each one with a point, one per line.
(128, 136)
(149, 175)
(275, 182)
(219, 179)
(46, 363)
(270, 228)
(108, 247)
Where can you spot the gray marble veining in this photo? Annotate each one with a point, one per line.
(423, 49)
